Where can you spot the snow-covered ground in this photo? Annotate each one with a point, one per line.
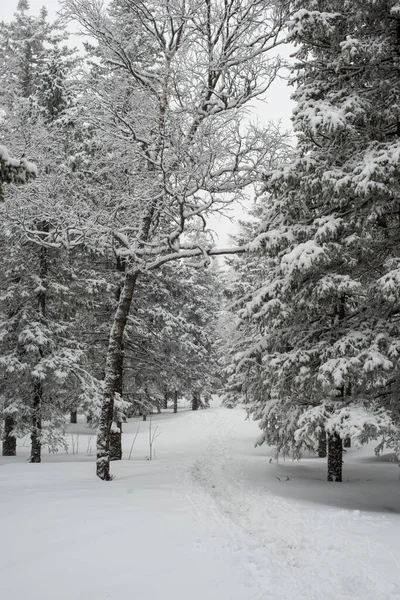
(210, 519)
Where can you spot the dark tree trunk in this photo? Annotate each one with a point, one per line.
(335, 443)
(175, 401)
(116, 433)
(335, 457)
(74, 416)
(195, 401)
(144, 417)
(322, 443)
(112, 371)
(9, 441)
(116, 443)
(347, 443)
(36, 433)
(166, 400)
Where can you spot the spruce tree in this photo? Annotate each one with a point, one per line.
(329, 301)
(42, 359)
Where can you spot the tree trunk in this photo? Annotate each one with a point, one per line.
(114, 361)
(116, 432)
(335, 443)
(335, 457)
(347, 443)
(9, 441)
(166, 400)
(175, 401)
(322, 443)
(195, 401)
(36, 432)
(74, 416)
(116, 443)
(144, 417)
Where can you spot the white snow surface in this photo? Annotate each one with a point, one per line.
(211, 518)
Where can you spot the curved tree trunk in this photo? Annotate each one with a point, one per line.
(9, 441)
(111, 374)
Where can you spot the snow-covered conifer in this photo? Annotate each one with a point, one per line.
(42, 359)
(328, 303)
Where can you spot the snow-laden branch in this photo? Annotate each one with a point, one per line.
(193, 252)
(14, 170)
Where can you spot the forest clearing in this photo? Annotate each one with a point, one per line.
(207, 518)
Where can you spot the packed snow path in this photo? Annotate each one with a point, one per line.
(210, 518)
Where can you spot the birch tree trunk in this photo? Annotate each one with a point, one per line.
(113, 365)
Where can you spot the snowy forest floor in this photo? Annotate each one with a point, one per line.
(210, 518)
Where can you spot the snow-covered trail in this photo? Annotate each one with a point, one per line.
(207, 519)
(291, 550)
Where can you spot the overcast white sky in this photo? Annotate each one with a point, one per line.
(277, 105)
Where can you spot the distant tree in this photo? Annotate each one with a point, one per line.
(170, 341)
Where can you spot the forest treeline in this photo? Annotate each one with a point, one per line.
(112, 302)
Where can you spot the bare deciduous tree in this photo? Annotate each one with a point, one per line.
(170, 99)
